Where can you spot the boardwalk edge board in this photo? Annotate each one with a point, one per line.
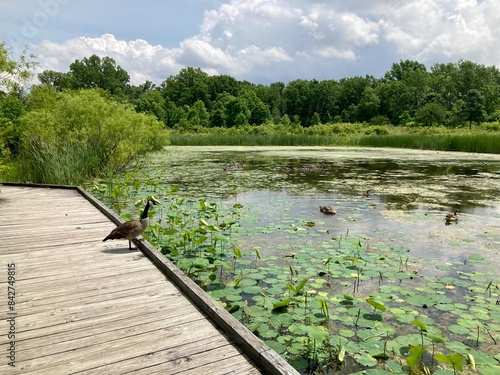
(268, 360)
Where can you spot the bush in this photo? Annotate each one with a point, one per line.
(378, 130)
(491, 126)
(379, 120)
(83, 134)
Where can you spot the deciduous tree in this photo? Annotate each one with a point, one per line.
(15, 73)
(94, 72)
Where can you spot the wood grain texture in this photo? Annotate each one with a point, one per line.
(88, 307)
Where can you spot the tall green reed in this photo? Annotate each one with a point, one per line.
(257, 140)
(63, 164)
(465, 142)
(480, 142)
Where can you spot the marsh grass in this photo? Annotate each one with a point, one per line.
(64, 164)
(255, 140)
(440, 139)
(466, 142)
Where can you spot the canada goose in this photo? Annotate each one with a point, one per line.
(133, 228)
(452, 217)
(327, 210)
(364, 193)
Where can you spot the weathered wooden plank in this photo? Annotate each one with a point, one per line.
(32, 303)
(119, 349)
(85, 274)
(77, 312)
(35, 266)
(211, 360)
(85, 251)
(27, 227)
(96, 323)
(85, 283)
(176, 326)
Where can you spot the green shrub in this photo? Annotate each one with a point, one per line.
(83, 134)
(377, 130)
(491, 126)
(379, 120)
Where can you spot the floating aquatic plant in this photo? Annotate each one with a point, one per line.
(324, 294)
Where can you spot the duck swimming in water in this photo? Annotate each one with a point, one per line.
(451, 217)
(327, 210)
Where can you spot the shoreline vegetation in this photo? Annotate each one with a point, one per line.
(478, 140)
(55, 161)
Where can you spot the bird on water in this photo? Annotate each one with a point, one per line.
(133, 228)
(327, 210)
(364, 193)
(452, 217)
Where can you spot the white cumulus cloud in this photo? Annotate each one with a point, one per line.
(140, 59)
(271, 40)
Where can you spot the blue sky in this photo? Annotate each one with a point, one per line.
(261, 41)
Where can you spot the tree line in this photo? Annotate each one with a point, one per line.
(450, 94)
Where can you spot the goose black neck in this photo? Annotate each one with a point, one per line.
(145, 212)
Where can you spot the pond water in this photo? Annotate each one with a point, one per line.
(392, 247)
(411, 191)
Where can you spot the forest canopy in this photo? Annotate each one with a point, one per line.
(448, 94)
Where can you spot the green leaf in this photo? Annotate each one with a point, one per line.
(438, 339)
(257, 253)
(317, 332)
(290, 287)
(323, 305)
(225, 265)
(200, 263)
(471, 361)
(456, 360)
(415, 354)
(300, 286)
(237, 280)
(237, 252)
(169, 232)
(282, 303)
(489, 370)
(365, 359)
(421, 325)
(379, 306)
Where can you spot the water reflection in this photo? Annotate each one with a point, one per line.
(411, 194)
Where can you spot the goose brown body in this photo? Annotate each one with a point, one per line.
(131, 229)
(327, 210)
(452, 217)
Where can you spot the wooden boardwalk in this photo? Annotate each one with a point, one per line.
(83, 306)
